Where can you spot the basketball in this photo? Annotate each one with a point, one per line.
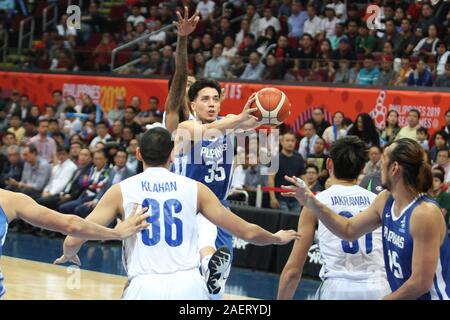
(273, 106)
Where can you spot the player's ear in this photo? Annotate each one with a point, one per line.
(329, 164)
(139, 154)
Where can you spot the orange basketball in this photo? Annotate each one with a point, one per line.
(273, 106)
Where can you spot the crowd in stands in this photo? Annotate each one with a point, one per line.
(298, 40)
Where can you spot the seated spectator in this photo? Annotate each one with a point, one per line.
(283, 52)
(253, 69)
(370, 74)
(135, 16)
(102, 53)
(224, 30)
(35, 175)
(422, 138)
(273, 70)
(335, 131)
(387, 73)
(344, 51)
(318, 117)
(151, 115)
(421, 77)
(61, 173)
(13, 168)
(245, 28)
(167, 65)
(319, 159)
(236, 67)
(345, 74)
(329, 22)
(442, 58)
(117, 174)
(312, 179)
(306, 145)
(365, 129)
(268, 20)
(8, 139)
(313, 25)
(216, 66)
(128, 134)
(74, 151)
(427, 18)
(77, 184)
(365, 42)
(118, 111)
(206, 9)
(441, 197)
(129, 119)
(337, 36)
(410, 131)
(98, 176)
(374, 163)
(442, 161)
(296, 20)
(427, 46)
(207, 46)
(16, 128)
(404, 72)
(305, 53)
(229, 49)
(444, 79)
(102, 134)
(392, 128)
(264, 41)
(290, 164)
(45, 145)
(132, 161)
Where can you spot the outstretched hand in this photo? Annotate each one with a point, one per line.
(286, 236)
(299, 191)
(135, 223)
(186, 25)
(249, 121)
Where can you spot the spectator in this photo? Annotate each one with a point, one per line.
(45, 145)
(132, 161)
(13, 168)
(58, 103)
(273, 70)
(365, 42)
(74, 151)
(337, 36)
(340, 9)
(13, 104)
(128, 134)
(387, 74)
(157, 38)
(9, 139)
(312, 179)
(22, 109)
(98, 176)
(446, 126)
(237, 67)
(102, 134)
(116, 132)
(368, 75)
(305, 53)
(391, 36)
(224, 31)
(229, 50)
(117, 112)
(344, 73)
(442, 58)
(427, 46)
(407, 39)
(374, 163)
(313, 25)
(35, 175)
(253, 69)
(102, 53)
(391, 129)
(441, 197)
(318, 116)
(245, 28)
(404, 72)
(428, 18)
(290, 164)
(135, 16)
(151, 115)
(422, 138)
(421, 77)
(365, 129)
(444, 79)
(253, 17)
(344, 51)
(198, 66)
(167, 66)
(29, 124)
(328, 24)
(268, 20)
(442, 161)
(61, 173)
(335, 131)
(440, 143)
(216, 66)
(129, 120)
(319, 159)
(306, 146)
(410, 131)
(206, 9)
(16, 128)
(352, 34)
(296, 20)
(70, 101)
(264, 41)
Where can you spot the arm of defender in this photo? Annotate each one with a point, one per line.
(213, 210)
(426, 228)
(292, 271)
(346, 229)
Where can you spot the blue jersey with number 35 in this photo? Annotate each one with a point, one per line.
(398, 248)
(209, 162)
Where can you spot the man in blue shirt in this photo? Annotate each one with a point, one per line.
(369, 74)
(421, 77)
(296, 20)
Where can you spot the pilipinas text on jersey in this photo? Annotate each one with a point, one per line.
(398, 248)
(209, 162)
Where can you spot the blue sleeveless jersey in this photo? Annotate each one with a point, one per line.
(3, 229)
(209, 162)
(398, 250)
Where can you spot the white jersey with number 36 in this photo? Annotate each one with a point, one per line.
(353, 260)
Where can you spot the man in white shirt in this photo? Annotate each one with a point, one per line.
(136, 16)
(61, 173)
(313, 25)
(102, 135)
(268, 20)
(306, 146)
(329, 22)
(253, 17)
(340, 10)
(206, 9)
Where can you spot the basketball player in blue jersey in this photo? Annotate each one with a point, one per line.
(205, 153)
(20, 206)
(162, 261)
(416, 245)
(350, 270)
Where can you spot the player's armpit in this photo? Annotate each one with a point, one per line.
(292, 271)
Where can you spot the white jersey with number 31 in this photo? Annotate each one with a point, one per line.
(353, 260)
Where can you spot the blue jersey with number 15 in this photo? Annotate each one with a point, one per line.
(209, 162)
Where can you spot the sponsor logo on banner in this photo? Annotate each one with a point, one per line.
(104, 95)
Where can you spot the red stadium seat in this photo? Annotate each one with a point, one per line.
(118, 12)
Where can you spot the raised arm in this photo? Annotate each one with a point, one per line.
(213, 210)
(292, 271)
(177, 92)
(427, 228)
(346, 229)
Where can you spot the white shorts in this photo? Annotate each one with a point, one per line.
(207, 232)
(344, 289)
(182, 285)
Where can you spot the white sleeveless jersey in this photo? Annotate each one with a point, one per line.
(169, 244)
(358, 260)
(191, 117)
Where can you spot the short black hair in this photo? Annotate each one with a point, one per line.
(416, 111)
(156, 145)
(422, 130)
(32, 148)
(61, 148)
(201, 84)
(312, 166)
(311, 122)
(103, 122)
(439, 175)
(349, 156)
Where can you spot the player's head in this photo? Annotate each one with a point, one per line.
(347, 158)
(155, 148)
(204, 96)
(403, 161)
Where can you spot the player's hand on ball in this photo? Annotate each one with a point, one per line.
(248, 120)
(63, 259)
(135, 223)
(299, 191)
(286, 236)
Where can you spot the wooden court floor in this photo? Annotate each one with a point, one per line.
(31, 280)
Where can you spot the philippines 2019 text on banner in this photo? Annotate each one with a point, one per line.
(104, 90)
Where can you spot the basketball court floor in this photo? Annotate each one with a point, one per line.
(29, 273)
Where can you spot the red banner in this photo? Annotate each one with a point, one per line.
(104, 90)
